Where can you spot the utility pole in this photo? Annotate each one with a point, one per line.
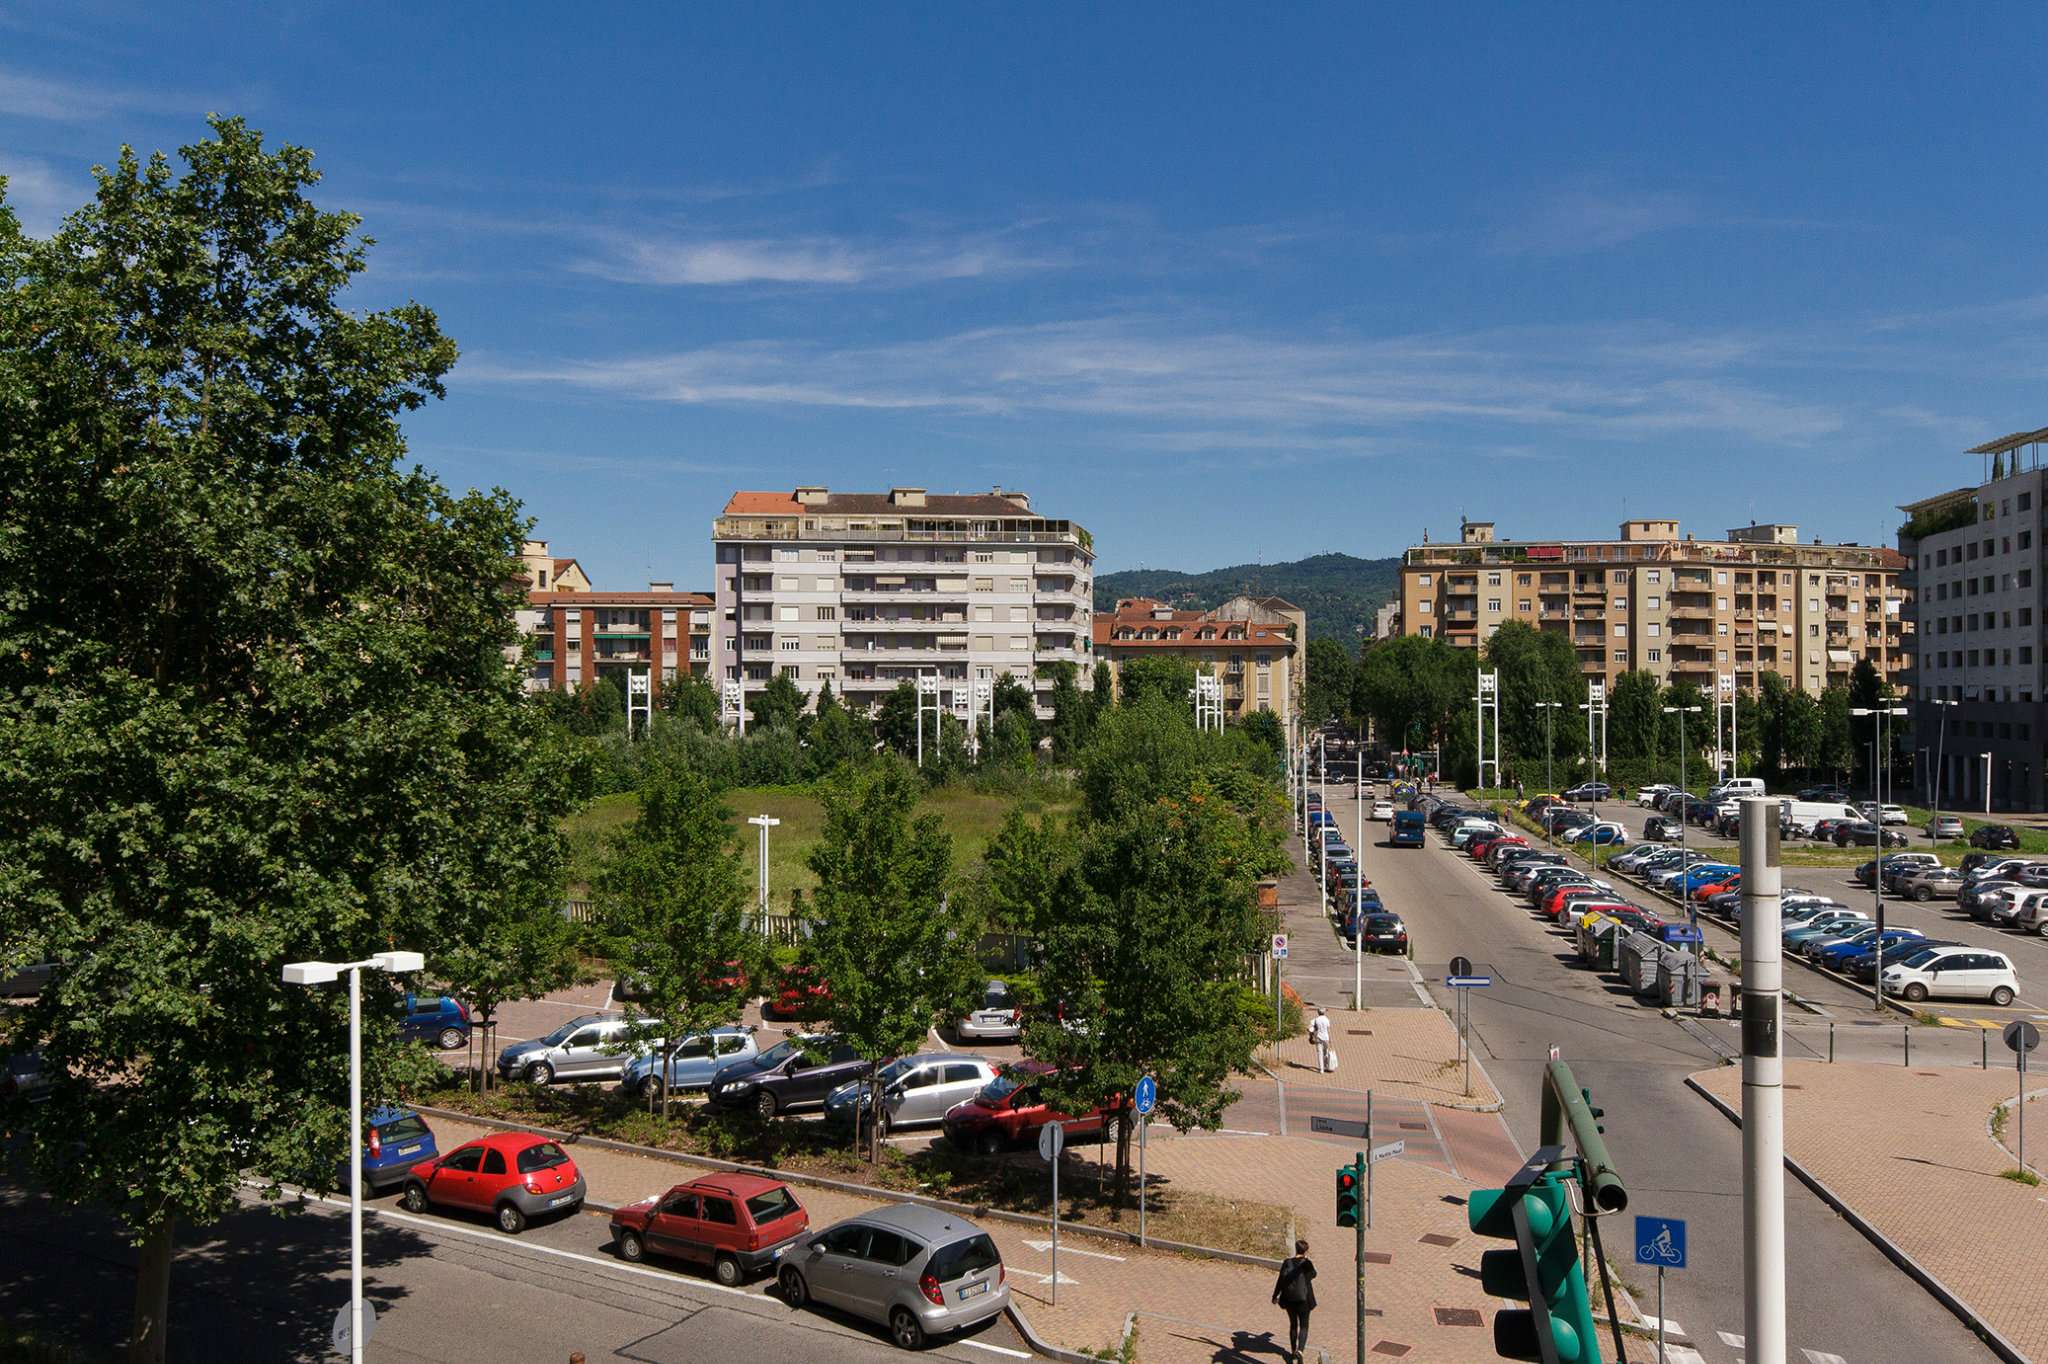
(1763, 1088)
(1684, 800)
(1550, 710)
(1941, 738)
(1877, 715)
(1357, 905)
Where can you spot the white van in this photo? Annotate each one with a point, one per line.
(1736, 788)
(1799, 816)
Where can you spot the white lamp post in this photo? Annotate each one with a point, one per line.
(764, 823)
(1941, 739)
(1684, 806)
(1877, 715)
(326, 973)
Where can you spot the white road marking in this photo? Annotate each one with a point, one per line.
(1047, 1278)
(1683, 1354)
(1671, 1328)
(606, 1006)
(1822, 1357)
(1731, 1340)
(1043, 1246)
(997, 1349)
(1240, 1132)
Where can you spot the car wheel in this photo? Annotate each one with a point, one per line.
(414, 1199)
(905, 1330)
(2001, 996)
(1922, 894)
(1916, 992)
(727, 1271)
(451, 1039)
(631, 1248)
(540, 1073)
(765, 1105)
(795, 1291)
(990, 1143)
(511, 1220)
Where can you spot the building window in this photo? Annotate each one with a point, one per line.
(1521, 580)
(1422, 607)
(828, 613)
(1656, 655)
(1426, 632)
(1422, 580)
(982, 556)
(1621, 632)
(785, 553)
(1621, 655)
(984, 584)
(789, 645)
(790, 671)
(1525, 606)
(1656, 575)
(1654, 629)
(1493, 603)
(786, 613)
(1654, 603)
(1721, 577)
(1493, 580)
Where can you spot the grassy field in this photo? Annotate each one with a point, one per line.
(971, 816)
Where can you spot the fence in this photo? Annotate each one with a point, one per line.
(579, 911)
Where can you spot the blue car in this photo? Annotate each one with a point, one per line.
(1704, 874)
(438, 1020)
(396, 1139)
(1838, 955)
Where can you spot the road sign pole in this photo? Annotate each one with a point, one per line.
(1360, 1239)
(1370, 1163)
(1143, 1124)
(2022, 1102)
(1055, 1285)
(1465, 1035)
(1660, 1314)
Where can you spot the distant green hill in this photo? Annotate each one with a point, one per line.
(1339, 592)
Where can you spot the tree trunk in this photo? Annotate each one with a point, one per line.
(1123, 1163)
(875, 1116)
(151, 1326)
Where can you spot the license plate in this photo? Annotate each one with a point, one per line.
(777, 1253)
(560, 1199)
(974, 1290)
(408, 1150)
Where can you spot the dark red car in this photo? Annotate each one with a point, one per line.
(509, 1176)
(737, 1224)
(799, 992)
(1010, 1109)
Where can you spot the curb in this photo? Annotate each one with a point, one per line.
(1498, 1105)
(1039, 1344)
(1890, 1249)
(848, 1187)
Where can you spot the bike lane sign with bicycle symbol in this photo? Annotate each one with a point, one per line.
(1660, 1242)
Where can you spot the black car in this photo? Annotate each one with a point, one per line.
(797, 1072)
(1824, 793)
(1590, 790)
(1700, 812)
(1994, 836)
(1863, 834)
(1385, 933)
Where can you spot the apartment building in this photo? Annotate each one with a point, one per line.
(866, 590)
(1682, 609)
(582, 636)
(543, 572)
(1977, 578)
(1254, 644)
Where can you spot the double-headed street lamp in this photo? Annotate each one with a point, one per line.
(1941, 738)
(1550, 710)
(326, 973)
(1684, 805)
(1877, 715)
(764, 823)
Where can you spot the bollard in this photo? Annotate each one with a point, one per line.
(1906, 1037)
(1984, 1048)
(576, 1357)
(1831, 1042)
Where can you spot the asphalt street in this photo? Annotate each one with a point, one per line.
(261, 1287)
(1679, 1157)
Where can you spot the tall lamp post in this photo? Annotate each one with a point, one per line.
(764, 823)
(1941, 738)
(1877, 716)
(326, 973)
(1550, 710)
(1684, 806)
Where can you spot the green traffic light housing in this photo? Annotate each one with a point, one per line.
(1534, 1211)
(1347, 1195)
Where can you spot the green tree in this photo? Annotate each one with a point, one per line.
(1419, 693)
(1101, 689)
(895, 950)
(1012, 697)
(1834, 748)
(1263, 728)
(671, 903)
(1635, 718)
(254, 706)
(589, 709)
(1011, 743)
(1072, 715)
(896, 721)
(1155, 675)
(1331, 674)
(840, 738)
(1536, 666)
(775, 706)
(689, 699)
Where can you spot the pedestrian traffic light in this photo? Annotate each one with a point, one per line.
(1347, 1195)
(1534, 1212)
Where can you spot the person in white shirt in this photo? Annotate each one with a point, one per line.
(1319, 1033)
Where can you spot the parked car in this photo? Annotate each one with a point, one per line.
(1891, 862)
(1589, 790)
(2020, 909)
(1831, 923)
(1942, 827)
(1844, 950)
(996, 1019)
(511, 1176)
(696, 1061)
(1863, 965)
(1663, 828)
(1601, 833)
(1010, 1109)
(1824, 829)
(917, 1090)
(1863, 834)
(799, 993)
(1648, 796)
(22, 1077)
(396, 1143)
(1383, 810)
(1385, 933)
(1953, 973)
(920, 1271)
(441, 1020)
(1882, 814)
(1994, 836)
(28, 981)
(1931, 883)
(593, 1047)
(738, 1225)
(1981, 899)
(1835, 793)
(796, 1072)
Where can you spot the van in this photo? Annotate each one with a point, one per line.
(1407, 830)
(1736, 788)
(1799, 816)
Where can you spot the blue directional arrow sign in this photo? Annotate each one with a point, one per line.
(1660, 1241)
(1145, 1097)
(1468, 982)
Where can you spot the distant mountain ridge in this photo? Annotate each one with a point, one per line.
(1340, 592)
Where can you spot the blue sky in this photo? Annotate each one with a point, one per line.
(1224, 283)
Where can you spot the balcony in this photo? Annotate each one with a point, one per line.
(903, 624)
(917, 530)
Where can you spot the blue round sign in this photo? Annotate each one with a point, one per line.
(1147, 1095)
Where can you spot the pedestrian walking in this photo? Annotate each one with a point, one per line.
(1296, 1293)
(1319, 1033)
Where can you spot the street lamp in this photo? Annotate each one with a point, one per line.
(326, 973)
(1550, 710)
(1684, 805)
(1877, 715)
(764, 823)
(1941, 738)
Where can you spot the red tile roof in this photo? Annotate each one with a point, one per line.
(1136, 613)
(644, 597)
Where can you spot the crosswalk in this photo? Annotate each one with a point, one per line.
(1687, 1354)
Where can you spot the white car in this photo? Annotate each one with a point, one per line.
(1648, 796)
(1384, 810)
(1953, 973)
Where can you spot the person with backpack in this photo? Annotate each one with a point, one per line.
(1296, 1293)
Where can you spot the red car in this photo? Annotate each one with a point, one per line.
(1480, 847)
(512, 1176)
(737, 1224)
(1556, 897)
(1010, 1109)
(800, 992)
(1702, 893)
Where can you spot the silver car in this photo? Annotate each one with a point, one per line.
(916, 1090)
(919, 1271)
(588, 1048)
(696, 1061)
(997, 1020)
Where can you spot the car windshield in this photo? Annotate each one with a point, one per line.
(778, 1053)
(897, 1069)
(1002, 1087)
(1920, 957)
(561, 1034)
(407, 1128)
(544, 1156)
(766, 1207)
(962, 1258)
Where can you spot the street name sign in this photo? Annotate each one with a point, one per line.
(1389, 1151)
(1339, 1127)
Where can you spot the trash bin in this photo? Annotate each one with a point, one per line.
(1603, 939)
(1636, 959)
(1683, 935)
(1678, 979)
(1710, 997)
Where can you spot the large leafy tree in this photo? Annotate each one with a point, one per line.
(1155, 675)
(1331, 675)
(1536, 666)
(1635, 717)
(776, 706)
(895, 948)
(254, 698)
(671, 902)
(690, 699)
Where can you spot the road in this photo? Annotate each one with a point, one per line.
(260, 1288)
(1679, 1157)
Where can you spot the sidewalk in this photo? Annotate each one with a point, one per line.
(1911, 1152)
(1401, 1053)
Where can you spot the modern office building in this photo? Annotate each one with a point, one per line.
(1253, 644)
(866, 590)
(1977, 577)
(1685, 610)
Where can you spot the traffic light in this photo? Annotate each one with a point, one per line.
(1347, 1195)
(1542, 1270)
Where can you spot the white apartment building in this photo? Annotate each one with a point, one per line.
(865, 590)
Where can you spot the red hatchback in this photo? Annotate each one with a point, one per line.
(798, 993)
(511, 1176)
(737, 1224)
(1009, 1109)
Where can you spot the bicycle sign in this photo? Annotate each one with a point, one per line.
(1660, 1241)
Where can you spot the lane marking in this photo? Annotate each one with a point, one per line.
(1822, 1357)
(1047, 1278)
(1043, 1246)
(1671, 1328)
(1730, 1339)
(1683, 1354)
(997, 1349)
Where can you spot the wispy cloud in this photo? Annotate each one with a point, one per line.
(39, 194)
(1569, 221)
(822, 260)
(68, 100)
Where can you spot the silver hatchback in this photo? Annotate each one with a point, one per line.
(916, 1089)
(919, 1271)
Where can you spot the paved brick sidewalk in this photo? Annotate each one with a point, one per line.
(1403, 1053)
(1910, 1152)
